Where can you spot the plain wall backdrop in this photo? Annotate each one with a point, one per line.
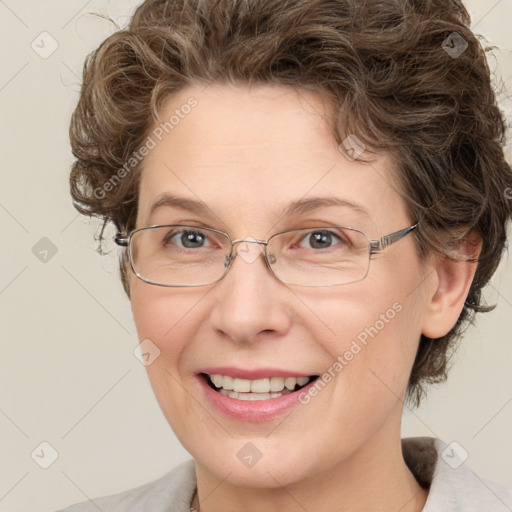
(68, 374)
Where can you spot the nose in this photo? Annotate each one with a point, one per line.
(249, 302)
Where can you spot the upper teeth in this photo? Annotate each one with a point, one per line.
(259, 385)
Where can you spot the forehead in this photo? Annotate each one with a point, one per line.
(249, 152)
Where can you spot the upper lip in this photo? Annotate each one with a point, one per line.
(254, 373)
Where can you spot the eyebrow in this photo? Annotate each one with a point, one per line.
(298, 207)
(182, 203)
(315, 203)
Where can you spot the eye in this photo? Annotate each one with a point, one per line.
(320, 240)
(186, 238)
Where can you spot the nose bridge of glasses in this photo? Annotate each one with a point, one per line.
(249, 253)
(249, 240)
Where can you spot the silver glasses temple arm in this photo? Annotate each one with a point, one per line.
(377, 246)
(121, 240)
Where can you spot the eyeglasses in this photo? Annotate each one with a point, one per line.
(184, 255)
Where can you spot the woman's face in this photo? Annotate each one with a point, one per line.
(247, 155)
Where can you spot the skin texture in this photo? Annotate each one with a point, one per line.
(247, 153)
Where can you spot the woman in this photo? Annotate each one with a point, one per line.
(309, 197)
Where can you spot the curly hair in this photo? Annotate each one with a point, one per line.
(408, 77)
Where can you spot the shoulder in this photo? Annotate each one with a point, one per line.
(175, 488)
(453, 486)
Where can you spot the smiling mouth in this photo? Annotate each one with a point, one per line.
(259, 389)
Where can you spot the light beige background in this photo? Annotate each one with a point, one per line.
(68, 374)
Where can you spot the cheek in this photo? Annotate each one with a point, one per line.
(166, 318)
(169, 320)
(163, 315)
(374, 333)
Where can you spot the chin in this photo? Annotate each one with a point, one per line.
(254, 463)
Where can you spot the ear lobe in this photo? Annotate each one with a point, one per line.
(454, 277)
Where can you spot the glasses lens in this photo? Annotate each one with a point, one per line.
(320, 256)
(179, 255)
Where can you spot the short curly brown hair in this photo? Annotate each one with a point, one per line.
(407, 76)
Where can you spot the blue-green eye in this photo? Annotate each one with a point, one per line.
(320, 240)
(187, 239)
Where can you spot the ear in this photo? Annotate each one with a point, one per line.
(452, 280)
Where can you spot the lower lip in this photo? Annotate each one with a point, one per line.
(254, 410)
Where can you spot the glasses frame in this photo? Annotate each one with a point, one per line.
(375, 247)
